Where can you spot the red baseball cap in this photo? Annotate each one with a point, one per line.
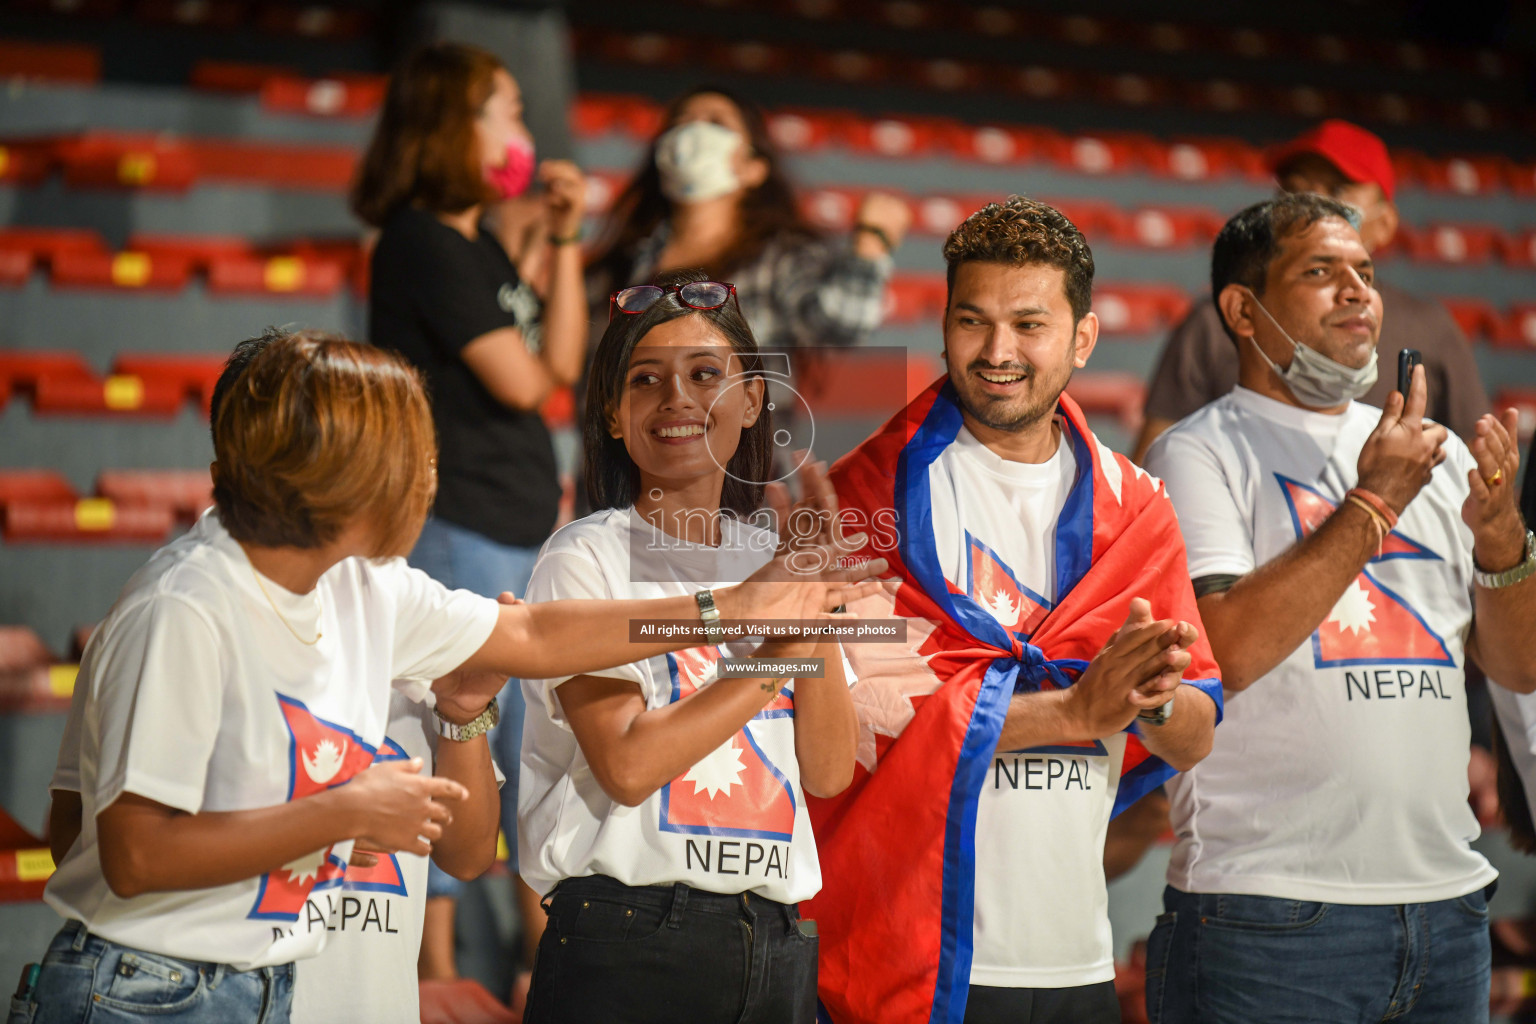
(1358, 154)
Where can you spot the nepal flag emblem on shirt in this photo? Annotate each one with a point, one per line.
(385, 875)
(1370, 624)
(321, 755)
(736, 789)
(992, 584)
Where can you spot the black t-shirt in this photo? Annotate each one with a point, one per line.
(433, 291)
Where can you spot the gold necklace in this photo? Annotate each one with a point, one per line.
(262, 587)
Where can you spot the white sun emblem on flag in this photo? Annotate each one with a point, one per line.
(1354, 611)
(718, 771)
(1002, 607)
(322, 768)
(306, 867)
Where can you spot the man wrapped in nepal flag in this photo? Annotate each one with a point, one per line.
(897, 848)
(321, 755)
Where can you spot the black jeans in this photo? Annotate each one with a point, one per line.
(1083, 1004)
(614, 952)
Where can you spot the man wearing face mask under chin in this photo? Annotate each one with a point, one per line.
(712, 195)
(1347, 561)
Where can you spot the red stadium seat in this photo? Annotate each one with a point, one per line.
(46, 243)
(994, 144)
(124, 270)
(1138, 308)
(1521, 178)
(120, 394)
(1171, 227)
(1522, 400)
(198, 250)
(25, 863)
(803, 131)
(21, 368)
(1098, 220)
(112, 160)
(342, 96)
(186, 492)
(1203, 159)
(1517, 249)
(193, 376)
(900, 136)
(462, 1002)
(313, 21)
(1107, 153)
(280, 165)
(220, 14)
(831, 209)
(1476, 317)
(1453, 243)
(916, 298)
(26, 162)
(939, 215)
(15, 270)
(851, 67)
(1110, 393)
(33, 485)
(233, 76)
(49, 62)
(275, 275)
(603, 188)
(87, 520)
(1466, 175)
(1519, 328)
(750, 57)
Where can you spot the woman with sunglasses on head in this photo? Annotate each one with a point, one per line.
(712, 193)
(451, 162)
(662, 807)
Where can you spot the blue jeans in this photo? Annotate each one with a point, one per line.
(464, 560)
(84, 975)
(1225, 959)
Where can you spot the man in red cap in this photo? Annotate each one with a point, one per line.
(1348, 163)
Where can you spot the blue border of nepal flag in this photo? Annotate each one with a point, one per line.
(1371, 624)
(735, 790)
(321, 756)
(897, 847)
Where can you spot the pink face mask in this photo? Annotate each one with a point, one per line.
(512, 179)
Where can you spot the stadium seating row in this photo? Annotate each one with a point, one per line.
(1136, 91)
(139, 384)
(310, 21)
(99, 159)
(129, 506)
(1194, 159)
(989, 20)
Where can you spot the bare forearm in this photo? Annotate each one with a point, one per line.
(467, 846)
(148, 849)
(826, 727)
(1186, 737)
(1041, 719)
(567, 638)
(1272, 610)
(565, 317)
(658, 745)
(1504, 623)
(63, 822)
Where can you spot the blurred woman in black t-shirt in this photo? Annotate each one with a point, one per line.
(450, 150)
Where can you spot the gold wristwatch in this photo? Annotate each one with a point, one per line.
(475, 727)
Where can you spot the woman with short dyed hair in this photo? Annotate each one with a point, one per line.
(244, 675)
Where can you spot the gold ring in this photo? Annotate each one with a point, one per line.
(1494, 481)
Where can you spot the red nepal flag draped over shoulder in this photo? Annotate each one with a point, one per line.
(897, 847)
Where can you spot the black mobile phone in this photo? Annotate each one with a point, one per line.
(1407, 359)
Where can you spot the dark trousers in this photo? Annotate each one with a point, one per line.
(1081, 1004)
(636, 954)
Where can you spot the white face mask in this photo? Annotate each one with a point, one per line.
(695, 161)
(1316, 380)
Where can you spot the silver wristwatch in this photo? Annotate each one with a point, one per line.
(475, 727)
(710, 616)
(1509, 577)
(1158, 715)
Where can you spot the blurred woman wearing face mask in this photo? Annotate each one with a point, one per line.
(712, 195)
(450, 152)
